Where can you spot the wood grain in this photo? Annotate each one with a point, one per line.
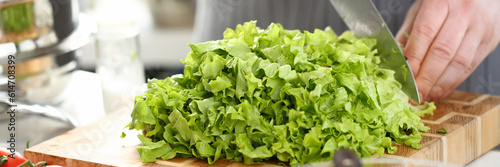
(472, 121)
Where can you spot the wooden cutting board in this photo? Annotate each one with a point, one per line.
(472, 122)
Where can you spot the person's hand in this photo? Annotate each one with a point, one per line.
(447, 40)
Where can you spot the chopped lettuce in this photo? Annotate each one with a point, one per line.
(275, 93)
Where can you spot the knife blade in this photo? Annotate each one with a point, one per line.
(365, 21)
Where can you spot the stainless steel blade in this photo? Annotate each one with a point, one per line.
(365, 21)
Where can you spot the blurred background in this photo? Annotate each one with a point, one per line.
(165, 28)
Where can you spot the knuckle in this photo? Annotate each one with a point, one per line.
(427, 81)
(470, 3)
(468, 70)
(442, 51)
(487, 22)
(425, 31)
(461, 62)
(412, 57)
(477, 61)
(414, 62)
(437, 93)
(440, 89)
(468, 6)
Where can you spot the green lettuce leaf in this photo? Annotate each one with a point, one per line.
(275, 93)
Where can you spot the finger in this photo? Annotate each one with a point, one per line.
(441, 53)
(490, 38)
(405, 29)
(427, 24)
(459, 68)
(480, 55)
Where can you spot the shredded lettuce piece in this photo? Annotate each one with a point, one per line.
(275, 93)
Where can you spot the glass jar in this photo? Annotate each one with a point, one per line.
(118, 62)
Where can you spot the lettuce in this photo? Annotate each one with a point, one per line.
(275, 93)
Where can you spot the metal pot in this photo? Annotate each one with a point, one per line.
(44, 36)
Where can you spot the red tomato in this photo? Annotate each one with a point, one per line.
(19, 159)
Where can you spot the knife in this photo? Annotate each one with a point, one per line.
(365, 21)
